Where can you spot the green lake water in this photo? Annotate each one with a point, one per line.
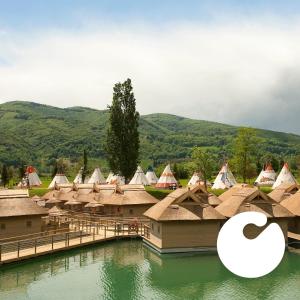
(129, 270)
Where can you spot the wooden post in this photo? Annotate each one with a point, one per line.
(66, 239)
(18, 249)
(105, 231)
(52, 241)
(35, 243)
(93, 233)
(80, 236)
(0, 252)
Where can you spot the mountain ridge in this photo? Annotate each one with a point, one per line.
(55, 132)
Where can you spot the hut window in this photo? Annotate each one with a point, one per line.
(131, 211)
(28, 224)
(158, 229)
(152, 226)
(3, 226)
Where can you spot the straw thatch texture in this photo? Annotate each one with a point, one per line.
(284, 191)
(183, 204)
(12, 207)
(18, 193)
(251, 199)
(227, 194)
(292, 203)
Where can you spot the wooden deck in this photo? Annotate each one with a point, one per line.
(81, 233)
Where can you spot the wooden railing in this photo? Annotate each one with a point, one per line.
(81, 231)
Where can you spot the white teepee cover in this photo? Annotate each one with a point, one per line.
(34, 179)
(139, 177)
(166, 179)
(195, 179)
(116, 179)
(285, 176)
(266, 177)
(59, 179)
(225, 179)
(97, 177)
(110, 175)
(78, 178)
(151, 177)
(31, 177)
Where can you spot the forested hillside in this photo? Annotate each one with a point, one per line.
(37, 134)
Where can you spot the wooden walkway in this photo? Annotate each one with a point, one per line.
(81, 233)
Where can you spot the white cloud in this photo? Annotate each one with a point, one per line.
(237, 73)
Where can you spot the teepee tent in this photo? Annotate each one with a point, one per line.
(166, 179)
(266, 177)
(32, 176)
(151, 176)
(196, 179)
(117, 179)
(97, 177)
(285, 176)
(110, 175)
(78, 178)
(225, 179)
(139, 177)
(59, 179)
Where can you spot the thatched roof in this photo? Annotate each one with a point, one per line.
(183, 205)
(227, 194)
(251, 199)
(129, 197)
(283, 191)
(292, 203)
(50, 195)
(36, 198)
(213, 200)
(16, 193)
(12, 207)
(56, 211)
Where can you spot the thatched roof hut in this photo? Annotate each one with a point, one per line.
(183, 221)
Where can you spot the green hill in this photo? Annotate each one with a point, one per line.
(35, 133)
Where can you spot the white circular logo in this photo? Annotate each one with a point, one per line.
(250, 258)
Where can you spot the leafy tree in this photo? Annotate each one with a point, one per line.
(122, 142)
(21, 172)
(204, 161)
(85, 168)
(4, 175)
(244, 151)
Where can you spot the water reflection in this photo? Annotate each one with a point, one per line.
(128, 270)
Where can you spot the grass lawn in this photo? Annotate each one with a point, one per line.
(157, 193)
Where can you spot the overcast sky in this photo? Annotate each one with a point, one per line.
(216, 60)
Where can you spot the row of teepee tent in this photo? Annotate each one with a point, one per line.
(224, 179)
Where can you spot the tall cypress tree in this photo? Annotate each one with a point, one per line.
(122, 144)
(4, 175)
(85, 162)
